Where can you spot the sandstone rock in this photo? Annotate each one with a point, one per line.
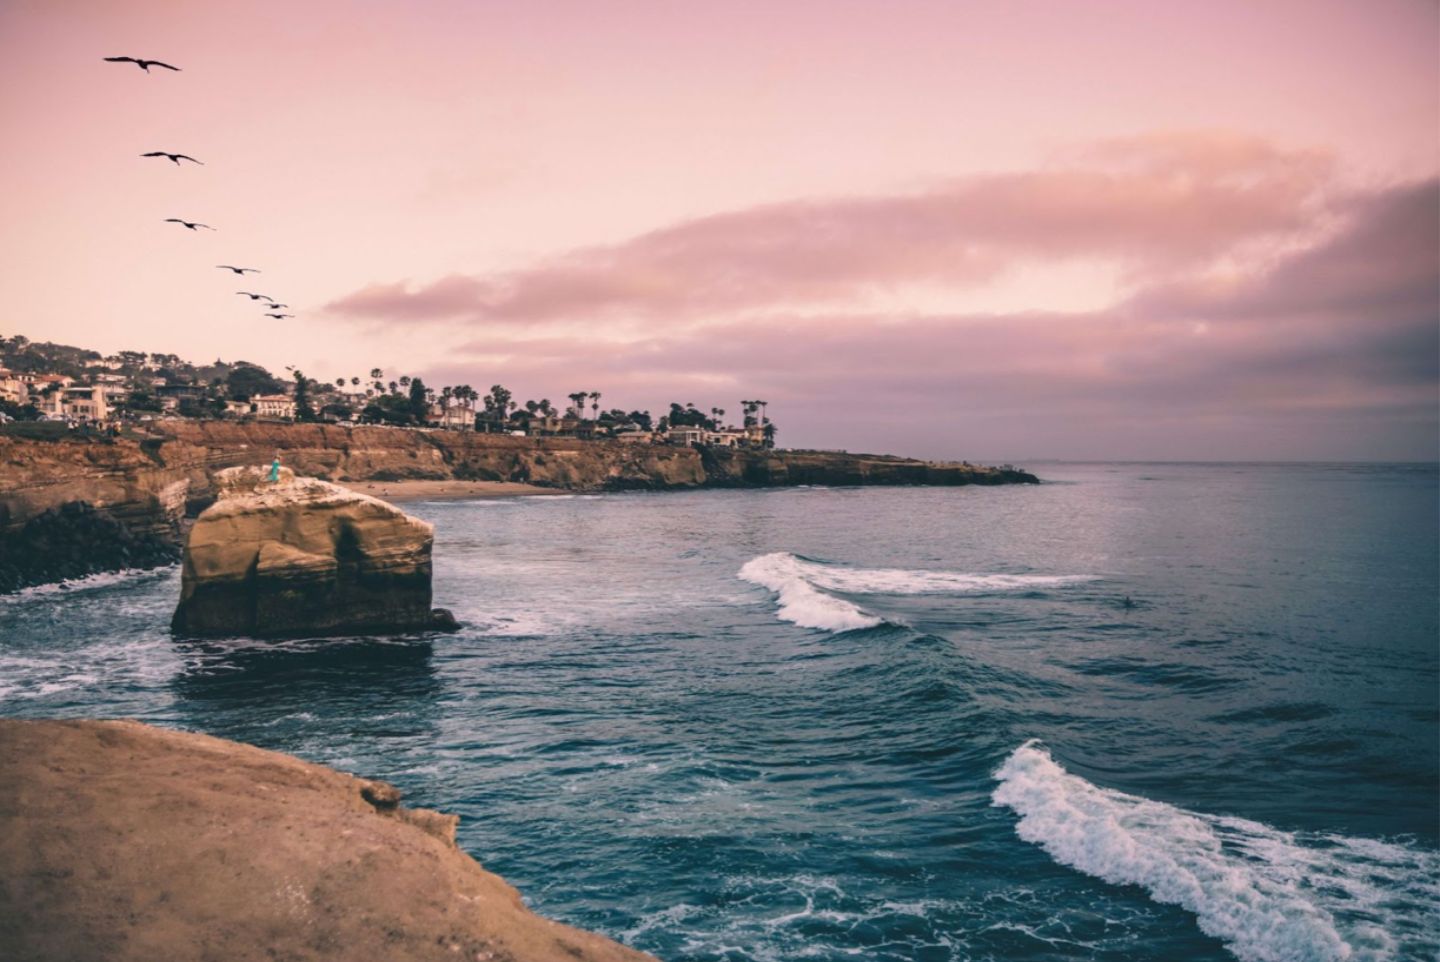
(129, 843)
(303, 557)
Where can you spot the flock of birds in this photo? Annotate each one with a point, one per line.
(273, 306)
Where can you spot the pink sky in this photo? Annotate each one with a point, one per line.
(983, 230)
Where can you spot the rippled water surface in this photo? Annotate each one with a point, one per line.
(881, 723)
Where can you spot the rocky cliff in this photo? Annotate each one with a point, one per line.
(299, 556)
(137, 493)
(129, 843)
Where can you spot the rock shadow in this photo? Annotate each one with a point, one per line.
(273, 693)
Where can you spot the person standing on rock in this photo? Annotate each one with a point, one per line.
(275, 469)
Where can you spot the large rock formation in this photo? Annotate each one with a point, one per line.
(129, 843)
(301, 556)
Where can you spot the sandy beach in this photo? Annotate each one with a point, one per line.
(444, 490)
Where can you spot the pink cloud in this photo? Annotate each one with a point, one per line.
(1153, 205)
(1334, 349)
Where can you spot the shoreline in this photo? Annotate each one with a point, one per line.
(131, 842)
(400, 491)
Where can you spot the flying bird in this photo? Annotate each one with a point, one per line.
(276, 307)
(279, 316)
(175, 157)
(242, 270)
(142, 63)
(257, 297)
(190, 224)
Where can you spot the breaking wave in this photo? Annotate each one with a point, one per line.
(1269, 895)
(802, 585)
(104, 579)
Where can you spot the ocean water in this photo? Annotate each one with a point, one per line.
(881, 724)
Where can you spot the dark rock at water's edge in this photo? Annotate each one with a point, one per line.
(129, 843)
(302, 557)
(746, 468)
(150, 486)
(443, 619)
(77, 539)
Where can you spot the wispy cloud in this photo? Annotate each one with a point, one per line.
(1253, 290)
(1333, 348)
(1150, 206)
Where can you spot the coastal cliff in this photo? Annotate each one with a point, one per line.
(124, 842)
(79, 506)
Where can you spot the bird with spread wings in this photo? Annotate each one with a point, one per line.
(142, 63)
(175, 157)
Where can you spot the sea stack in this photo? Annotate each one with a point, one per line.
(303, 557)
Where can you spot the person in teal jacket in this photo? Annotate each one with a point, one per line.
(275, 468)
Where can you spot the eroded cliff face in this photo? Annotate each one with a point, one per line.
(300, 556)
(77, 507)
(138, 493)
(388, 454)
(130, 843)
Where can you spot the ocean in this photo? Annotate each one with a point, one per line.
(1139, 712)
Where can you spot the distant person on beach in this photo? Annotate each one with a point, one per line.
(275, 468)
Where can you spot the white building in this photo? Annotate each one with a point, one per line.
(273, 406)
(686, 435)
(12, 388)
(85, 403)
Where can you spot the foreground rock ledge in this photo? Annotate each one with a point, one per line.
(124, 842)
(300, 556)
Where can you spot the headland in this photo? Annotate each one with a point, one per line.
(121, 841)
(79, 505)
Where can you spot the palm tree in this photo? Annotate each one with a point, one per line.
(446, 394)
(394, 388)
(595, 405)
(340, 382)
(405, 381)
(354, 382)
(467, 396)
(577, 401)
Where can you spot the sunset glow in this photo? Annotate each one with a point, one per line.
(1006, 230)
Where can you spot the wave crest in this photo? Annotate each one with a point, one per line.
(1271, 896)
(801, 585)
(800, 602)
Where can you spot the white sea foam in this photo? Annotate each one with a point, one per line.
(800, 602)
(104, 579)
(145, 663)
(802, 584)
(1271, 896)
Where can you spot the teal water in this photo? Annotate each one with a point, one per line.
(881, 723)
